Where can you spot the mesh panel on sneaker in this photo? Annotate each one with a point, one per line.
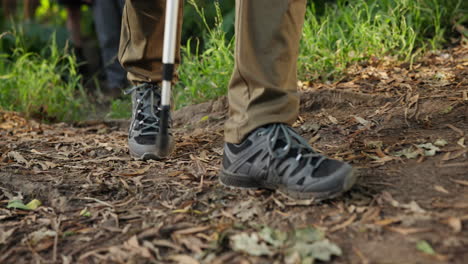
(237, 148)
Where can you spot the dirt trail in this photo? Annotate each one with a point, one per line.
(405, 130)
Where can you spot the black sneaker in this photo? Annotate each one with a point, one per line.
(144, 127)
(276, 157)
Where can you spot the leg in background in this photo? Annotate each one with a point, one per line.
(30, 7)
(141, 43)
(140, 53)
(9, 8)
(74, 25)
(107, 16)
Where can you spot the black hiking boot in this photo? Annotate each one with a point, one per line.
(144, 132)
(276, 157)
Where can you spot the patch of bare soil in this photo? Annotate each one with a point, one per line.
(403, 128)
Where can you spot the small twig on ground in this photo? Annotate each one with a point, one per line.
(361, 256)
(344, 224)
(451, 165)
(456, 129)
(56, 225)
(97, 201)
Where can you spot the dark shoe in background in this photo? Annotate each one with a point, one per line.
(111, 93)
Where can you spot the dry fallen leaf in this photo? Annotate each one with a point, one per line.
(345, 224)
(456, 205)
(300, 202)
(454, 155)
(384, 160)
(246, 210)
(440, 189)
(18, 158)
(167, 244)
(194, 244)
(250, 244)
(440, 142)
(455, 223)
(412, 206)
(134, 246)
(461, 182)
(4, 235)
(386, 222)
(408, 231)
(332, 119)
(192, 230)
(314, 139)
(183, 259)
(361, 120)
(36, 236)
(461, 142)
(136, 172)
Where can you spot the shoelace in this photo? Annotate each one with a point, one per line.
(280, 131)
(150, 121)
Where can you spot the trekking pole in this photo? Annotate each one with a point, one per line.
(169, 50)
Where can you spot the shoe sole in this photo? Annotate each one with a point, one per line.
(238, 182)
(147, 156)
(156, 153)
(150, 155)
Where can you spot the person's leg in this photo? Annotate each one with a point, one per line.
(263, 88)
(141, 45)
(140, 53)
(9, 8)
(73, 9)
(74, 25)
(107, 20)
(30, 7)
(262, 151)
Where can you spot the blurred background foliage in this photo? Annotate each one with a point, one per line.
(337, 33)
(50, 17)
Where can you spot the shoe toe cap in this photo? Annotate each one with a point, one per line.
(338, 180)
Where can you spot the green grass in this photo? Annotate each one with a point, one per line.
(353, 31)
(204, 74)
(44, 85)
(120, 109)
(341, 33)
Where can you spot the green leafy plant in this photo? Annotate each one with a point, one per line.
(425, 247)
(44, 85)
(204, 74)
(120, 109)
(304, 245)
(194, 27)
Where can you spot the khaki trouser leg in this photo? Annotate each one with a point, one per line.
(141, 44)
(263, 87)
